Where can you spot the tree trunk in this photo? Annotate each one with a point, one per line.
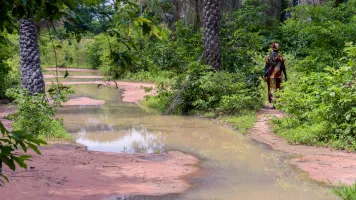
(212, 54)
(197, 14)
(31, 73)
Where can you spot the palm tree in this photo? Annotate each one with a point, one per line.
(212, 54)
(31, 73)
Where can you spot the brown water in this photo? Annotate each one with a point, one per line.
(233, 166)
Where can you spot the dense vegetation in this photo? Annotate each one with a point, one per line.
(160, 41)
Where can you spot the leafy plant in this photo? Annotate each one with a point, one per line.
(345, 192)
(202, 89)
(11, 141)
(322, 105)
(316, 35)
(35, 113)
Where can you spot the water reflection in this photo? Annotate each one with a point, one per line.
(134, 140)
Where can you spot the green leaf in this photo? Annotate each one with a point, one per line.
(348, 117)
(39, 141)
(34, 148)
(78, 38)
(6, 150)
(66, 74)
(23, 146)
(2, 128)
(10, 163)
(5, 177)
(20, 161)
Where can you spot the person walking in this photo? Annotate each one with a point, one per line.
(273, 71)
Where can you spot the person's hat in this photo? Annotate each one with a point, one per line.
(276, 46)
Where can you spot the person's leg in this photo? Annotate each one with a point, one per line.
(269, 90)
(278, 85)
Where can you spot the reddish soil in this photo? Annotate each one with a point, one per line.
(83, 101)
(86, 77)
(4, 111)
(322, 164)
(133, 92)
(70, 69)
(67, 171)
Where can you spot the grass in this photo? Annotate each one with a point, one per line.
(154, 102)
(318, 134)
(56, 132)
(345, 192)
(159, 77)
(243, 123)
(85, 66)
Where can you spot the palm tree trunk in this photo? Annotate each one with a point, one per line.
(31, 73)
(212, 54)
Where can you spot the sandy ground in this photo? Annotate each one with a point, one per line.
(4, 111)
(70, 69)
(322, 164)
(83, 101)
(66, 171)
(133, 92)
(83, 77)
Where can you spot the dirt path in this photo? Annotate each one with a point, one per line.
(133, 92)
(321, 164)
(70, 69)
(80, 77)
(65, 171)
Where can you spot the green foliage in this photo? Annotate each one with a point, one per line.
(243, 34)
(199, 88)
(345, 192)
(317, 34)
(69, 53)
(244, 122)
(35, 114)
(157, 76)
(322, 106)
(9, 75)
(184, 47)
(11, 141)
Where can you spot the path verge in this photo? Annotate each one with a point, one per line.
(322, 164)
(69, 171)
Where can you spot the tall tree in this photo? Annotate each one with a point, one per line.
(26, 14)
(31, 73)
(212, 52)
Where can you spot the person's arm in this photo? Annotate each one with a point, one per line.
(266, 66)
(284, 70)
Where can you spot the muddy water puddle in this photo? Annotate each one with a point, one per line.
(233, 166)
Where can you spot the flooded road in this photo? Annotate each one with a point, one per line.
(233, 166)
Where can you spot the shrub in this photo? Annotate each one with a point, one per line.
(202, 89)
(316, 35)
(35, 114)
(345, 192)
(326, 100)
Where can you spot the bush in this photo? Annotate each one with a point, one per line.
(35, 114)
(345, 192)
(316, 35)
(200, 89)
(322, 105)
(9, 65)
(243, 35)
